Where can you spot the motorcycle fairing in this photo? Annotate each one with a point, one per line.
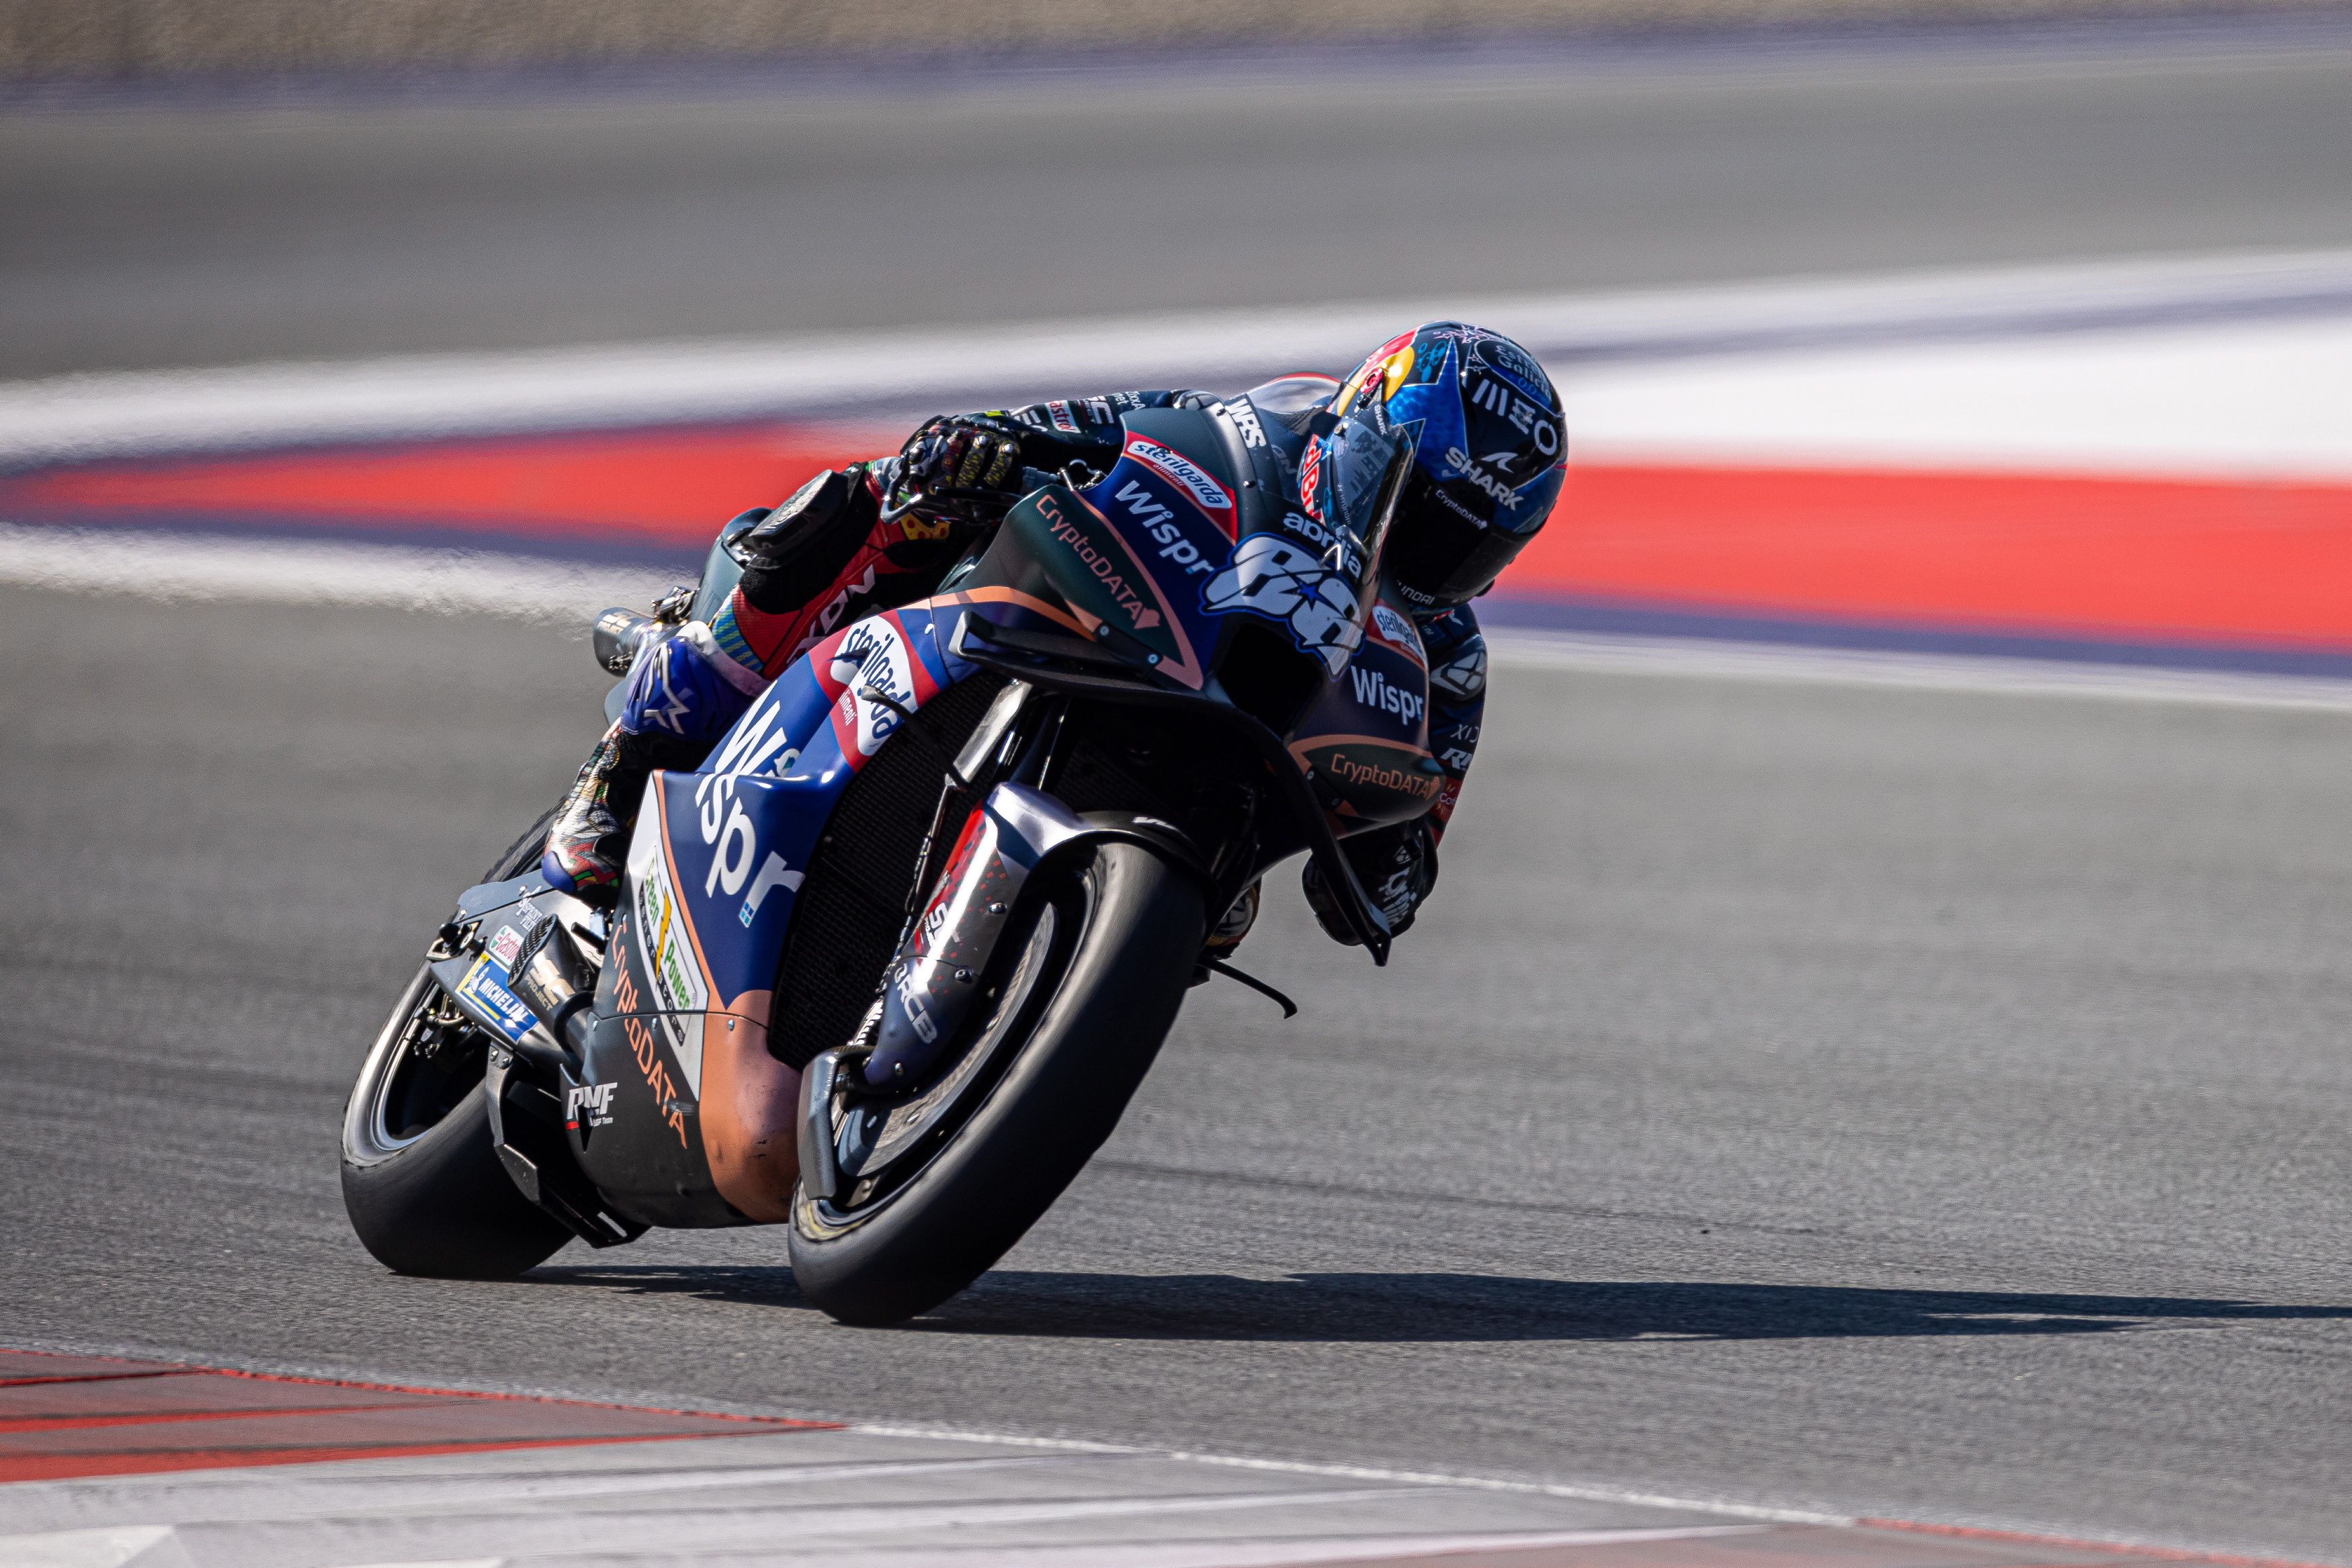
(1365, 738)
(699, 1129)
(1101, 572)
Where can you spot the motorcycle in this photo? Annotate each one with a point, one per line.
(886, 968)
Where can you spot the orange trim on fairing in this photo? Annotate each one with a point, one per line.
(1189, 671)
(738, 1127)
(1389, 741)
(749, 1130)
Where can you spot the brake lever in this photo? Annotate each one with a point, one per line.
(919, 499)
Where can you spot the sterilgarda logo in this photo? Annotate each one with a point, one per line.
(873, 653)
(1310, 479)
(1183, 472)
(1395, 630)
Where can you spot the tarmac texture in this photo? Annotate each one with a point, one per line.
(1885, 1101)
(330, 222)
(1911, 1104)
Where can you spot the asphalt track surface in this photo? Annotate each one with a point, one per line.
(1909, 1104)
(340, 219)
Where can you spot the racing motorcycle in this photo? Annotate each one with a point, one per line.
(886, 968)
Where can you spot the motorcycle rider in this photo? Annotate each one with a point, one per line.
(1489, 456)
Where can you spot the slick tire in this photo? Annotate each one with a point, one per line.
(1127, 928)
(439, 1203)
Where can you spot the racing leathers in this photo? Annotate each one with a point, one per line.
(827, 558)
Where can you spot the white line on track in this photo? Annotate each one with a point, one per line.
(188, 567)
(2193, 391)
(1703, 658)
(184, 568)
(564, 595)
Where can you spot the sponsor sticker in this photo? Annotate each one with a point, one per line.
(680, 995)
(874, 654)
(504, 947)
(1377, 691)
(1394, 630)
(485, 985)
(1178, 469)
(1245, 419)
(1274, 577)
(588, 1104)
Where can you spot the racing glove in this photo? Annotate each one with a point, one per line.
(966, 452)
(1397, 865)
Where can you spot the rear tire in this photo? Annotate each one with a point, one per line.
(422, 1182)
(1117, 952)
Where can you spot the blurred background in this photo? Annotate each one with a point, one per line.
(1906, 873)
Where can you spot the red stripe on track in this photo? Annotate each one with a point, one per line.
(2108, 558)
(662, 486)
(2128, 559)
(93, 1417)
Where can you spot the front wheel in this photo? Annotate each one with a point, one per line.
(1088, 981)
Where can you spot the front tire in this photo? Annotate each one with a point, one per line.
(1105, 959)
(422, 1182)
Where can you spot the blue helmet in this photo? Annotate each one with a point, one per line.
(1483, 423)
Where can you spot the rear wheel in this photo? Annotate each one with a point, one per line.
(938, 1186)
(421, 1183)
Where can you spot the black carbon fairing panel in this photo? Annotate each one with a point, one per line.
(854, 901)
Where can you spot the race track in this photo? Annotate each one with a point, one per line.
(332, 223)
(1924, 1104)
(1884, 1101)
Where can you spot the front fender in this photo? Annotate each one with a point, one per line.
(934, 974)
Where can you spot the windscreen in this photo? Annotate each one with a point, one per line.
(1367, 466)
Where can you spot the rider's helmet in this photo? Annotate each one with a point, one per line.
(1469, 426)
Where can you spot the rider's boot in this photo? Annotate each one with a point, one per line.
(683, 696)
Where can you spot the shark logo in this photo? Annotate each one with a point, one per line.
(1271, 576)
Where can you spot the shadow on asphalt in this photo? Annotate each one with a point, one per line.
(1461, 1308)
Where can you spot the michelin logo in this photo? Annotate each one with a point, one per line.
(1273, 577)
